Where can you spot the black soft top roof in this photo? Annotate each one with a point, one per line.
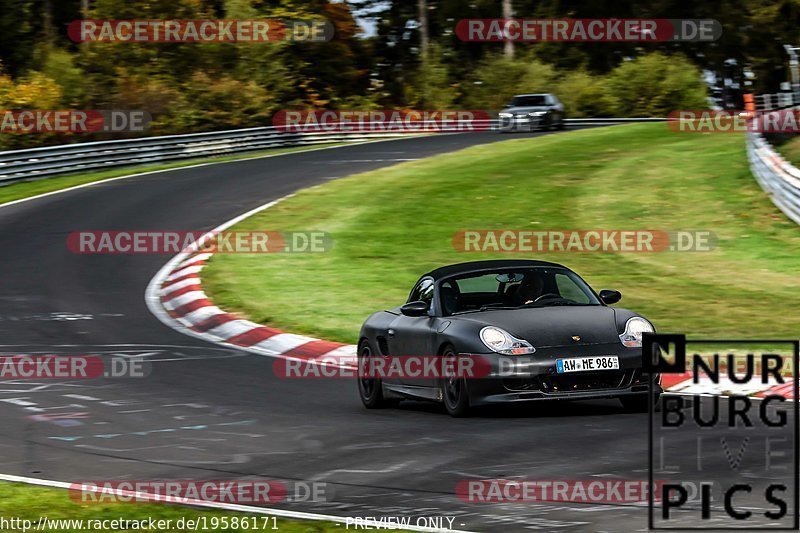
(473, 266)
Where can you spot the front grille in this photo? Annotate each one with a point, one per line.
(585, 381)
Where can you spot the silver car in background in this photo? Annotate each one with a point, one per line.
(531, 112)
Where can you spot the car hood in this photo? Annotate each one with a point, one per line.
(555, 326)
(526, 109)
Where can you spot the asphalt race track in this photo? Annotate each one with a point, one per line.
(207, 412)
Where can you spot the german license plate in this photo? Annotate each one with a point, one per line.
(587, 364)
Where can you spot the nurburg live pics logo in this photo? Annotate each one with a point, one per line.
(730, 460)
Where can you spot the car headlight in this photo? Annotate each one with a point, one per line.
(634, 328)
(501, 341)
(505, 115)
(537, 113)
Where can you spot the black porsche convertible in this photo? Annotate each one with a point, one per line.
(536, 328)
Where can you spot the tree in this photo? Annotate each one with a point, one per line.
(17, 36)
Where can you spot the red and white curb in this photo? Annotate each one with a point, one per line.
(175, 295)
(182, 296)
(179, 294)
(684, 384)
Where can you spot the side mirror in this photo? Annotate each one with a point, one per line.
(508, 105)
(417, 308)
(608, 297)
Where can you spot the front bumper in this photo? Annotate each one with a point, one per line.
(534, 377)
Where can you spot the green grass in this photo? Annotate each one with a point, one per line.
(25, 189)
(31, 503)
(391, 225)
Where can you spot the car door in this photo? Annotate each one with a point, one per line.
(413, 335)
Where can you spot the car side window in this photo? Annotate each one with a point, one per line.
(422, 292)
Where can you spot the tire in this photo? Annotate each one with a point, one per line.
(637, 403)
(560, 125)
(370, 390)
(454, 392)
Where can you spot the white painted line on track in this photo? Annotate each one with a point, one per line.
(199, 165)
(232, 507)
(371, 160)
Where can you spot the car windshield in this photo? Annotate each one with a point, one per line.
(529, 101)
(514, 289)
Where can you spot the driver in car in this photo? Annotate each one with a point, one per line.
(530, 289)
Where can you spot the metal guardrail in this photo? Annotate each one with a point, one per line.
(778, 178)
(38, 163)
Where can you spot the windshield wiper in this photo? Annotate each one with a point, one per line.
(552, 304)
(485, 308)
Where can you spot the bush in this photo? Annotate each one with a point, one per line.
(651, 85)
(432, 88)
(161, 98)
(225, 102)
(499, 78)
(656, 84)
(59, 65)
(584, 95)
(33, 91)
